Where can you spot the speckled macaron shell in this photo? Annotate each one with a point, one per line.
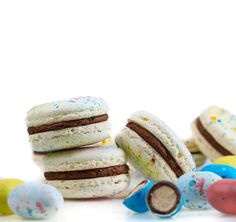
(92, 188)
(70, 137)
(66, 110)
(221, 125)
(144, 157)
(35, 200)
(83, 159)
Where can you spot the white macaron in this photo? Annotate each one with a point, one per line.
(88, 172)
(154, 148)
(68, 123)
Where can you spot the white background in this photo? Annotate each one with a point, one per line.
(172, 58)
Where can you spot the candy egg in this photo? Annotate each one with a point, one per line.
(137, 198)
(193, 187)
(35, 200)
(225, 171)
(227, 160)
(222, 196)
(164, 199)
(6, 186)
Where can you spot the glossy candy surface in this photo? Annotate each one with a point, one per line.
(137, 200)
(225, 171)
(35, 200)
(222, 196)
(6, 186)
(227, 160)
(193, 187)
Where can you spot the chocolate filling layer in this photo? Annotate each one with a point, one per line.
(67, 124)
(87, 174)
(158, 146)
(210, 139)
(157, 186)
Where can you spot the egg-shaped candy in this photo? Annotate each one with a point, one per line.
(222, 196)
(225, 171)
(227, 160)
(6, 186)
(136, 201)
(35, 200)
(193, 186)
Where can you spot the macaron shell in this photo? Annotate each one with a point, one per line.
(210, 152)
(168, 138)
(64, 110)
(143, 156)
(92, 188)
(221, 124)
(83, 159)
(70, 137)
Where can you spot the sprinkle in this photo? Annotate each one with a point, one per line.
(213, 118)
(145, 119)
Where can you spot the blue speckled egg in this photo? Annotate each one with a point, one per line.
(35, 200)
(193, 186)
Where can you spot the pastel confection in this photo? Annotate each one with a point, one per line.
(198, 156)
(68, 124)
(193, 186)
(154, 148)
(222, 170)
(136, 201)
(87, 173)
(6, 186)
(215, 132)
(35, 200)
(164, 199)
(227, 160)
(222, 196)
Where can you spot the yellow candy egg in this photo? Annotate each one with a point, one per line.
(6, 186)
(228, 160)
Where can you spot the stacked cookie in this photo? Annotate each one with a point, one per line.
(215, 132)
(60, 131)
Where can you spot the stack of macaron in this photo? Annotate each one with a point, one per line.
(73, 137)
(82, 161)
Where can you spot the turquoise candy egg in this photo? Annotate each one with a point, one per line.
(35, 200)
(193, 186)
(225, 171)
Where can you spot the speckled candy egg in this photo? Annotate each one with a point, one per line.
(222, 196)
(193, 187)
(35, 200)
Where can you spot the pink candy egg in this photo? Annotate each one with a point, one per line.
(222, 196)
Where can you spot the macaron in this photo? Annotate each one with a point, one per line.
(198, 156)
(67, 124)
(87, 173)
(154, 148)
(215, 132)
